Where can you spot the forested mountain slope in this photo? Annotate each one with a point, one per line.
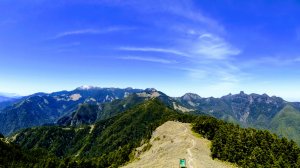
(41, 108)
(250, 110)
(107, 142)
(87, 105)
(112, 142)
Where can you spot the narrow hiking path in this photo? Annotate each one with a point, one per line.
(190, 158)
(172, 141)
(190, 154)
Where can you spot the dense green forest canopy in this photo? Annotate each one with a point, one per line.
(110, 142)
(247, 147)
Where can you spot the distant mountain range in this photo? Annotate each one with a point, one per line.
(106, 143)
(3, 98)
(124, 138)
(8, 98)
(9, 95)
(7, 101)
(41, 108)
(253, 110)
(86, 105)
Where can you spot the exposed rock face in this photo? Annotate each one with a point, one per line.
(190, 97)
(89, 112)
(75, 97)
(251, 110)
(41, 108)
(247, 109)
(85, 105)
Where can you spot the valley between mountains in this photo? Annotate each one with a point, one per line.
(86, 105)
(113, 127)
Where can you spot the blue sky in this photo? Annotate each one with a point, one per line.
(211, 48)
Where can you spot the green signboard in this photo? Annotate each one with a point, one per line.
(182, 163)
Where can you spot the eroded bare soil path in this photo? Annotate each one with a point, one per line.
(172, 141)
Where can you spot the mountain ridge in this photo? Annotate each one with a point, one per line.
(112, 142)
(43, 108)
(88, 104)
(109, 141)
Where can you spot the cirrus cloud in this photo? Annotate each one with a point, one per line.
(149, 59)
(92, 31)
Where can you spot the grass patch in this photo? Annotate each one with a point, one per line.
(146, 147)
(196, 134)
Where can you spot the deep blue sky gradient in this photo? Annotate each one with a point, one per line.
(211, 48)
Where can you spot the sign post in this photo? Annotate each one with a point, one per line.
(182, 163)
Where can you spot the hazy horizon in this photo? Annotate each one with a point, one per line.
(172, 45)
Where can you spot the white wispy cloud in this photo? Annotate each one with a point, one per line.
(199, 40)
(179, 8)
(207, 56)
(297, 59)
(77, 32)
(213, 47)
(150, 49)
(91, 31)
(188, 10)
(149, 59)
(216, 72)
(271, 60)
(196, 73)
(206, 46)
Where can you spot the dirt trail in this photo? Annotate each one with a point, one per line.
(172, 141)
(190, 158)
(190, 154)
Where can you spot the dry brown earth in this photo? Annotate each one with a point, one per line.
(172, 141)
